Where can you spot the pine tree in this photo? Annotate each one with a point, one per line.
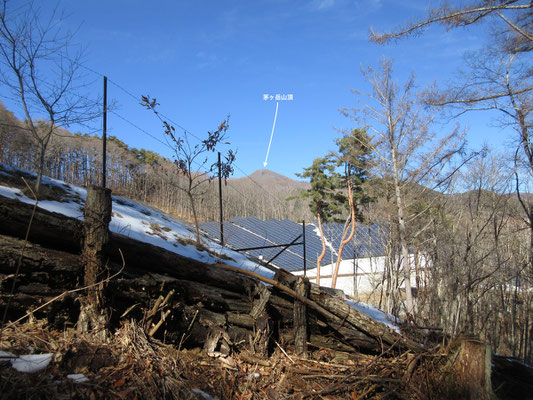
(325, 197)
(355, 156)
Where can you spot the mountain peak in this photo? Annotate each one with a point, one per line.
(266, 178)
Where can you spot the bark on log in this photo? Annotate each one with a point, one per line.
(44, 273)
(361, 321)
(49, 229)
(260, 303)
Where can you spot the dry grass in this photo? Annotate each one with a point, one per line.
(133, 366)
(130, 366)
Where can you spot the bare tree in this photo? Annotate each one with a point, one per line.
(408, 158)
(40, 73)
(498, 80)
(192, 161)
(498, 77)
(516, 16)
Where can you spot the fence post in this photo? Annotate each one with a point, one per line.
(104, 137)
(220, 201)
(303, 241)
(300, 317)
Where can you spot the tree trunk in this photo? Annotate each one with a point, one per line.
(321, 256)
(195, 217)
(345, 240)
(406, 265)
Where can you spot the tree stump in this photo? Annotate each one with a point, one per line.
(300, 317)
(472, 369)
(97, 215)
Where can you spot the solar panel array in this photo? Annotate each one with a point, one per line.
(251, 232)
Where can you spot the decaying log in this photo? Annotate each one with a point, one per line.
(341, 314)
(362, 322)
(49, 229)
(44, 274)
(57, 231)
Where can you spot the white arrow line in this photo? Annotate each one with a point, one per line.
(271, 134)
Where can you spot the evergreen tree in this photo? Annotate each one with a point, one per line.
(325, 197)
(355, 156)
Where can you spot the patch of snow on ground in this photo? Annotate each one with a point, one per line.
(139, 222)
(69, 209)
(375, 314)
(78, 378)
(204, 394)
(31, 362)
(6, 356)
(11, 193)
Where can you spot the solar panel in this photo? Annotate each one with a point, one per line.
(368, 240)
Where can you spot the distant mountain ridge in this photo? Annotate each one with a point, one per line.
(270, 179)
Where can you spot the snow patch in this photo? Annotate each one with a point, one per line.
(78, 378)
(375, 314)
(204, 394)
(6, 356)
(10, 193)
(31, 362)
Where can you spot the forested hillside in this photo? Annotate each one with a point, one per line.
(146, 176)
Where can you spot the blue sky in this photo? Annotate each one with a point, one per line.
(204, 59)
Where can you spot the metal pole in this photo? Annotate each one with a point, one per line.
(104, 136)
(303, 240)
(220, 201)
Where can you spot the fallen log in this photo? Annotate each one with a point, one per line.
(224, 291)
(340, 313)
(49, 229)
